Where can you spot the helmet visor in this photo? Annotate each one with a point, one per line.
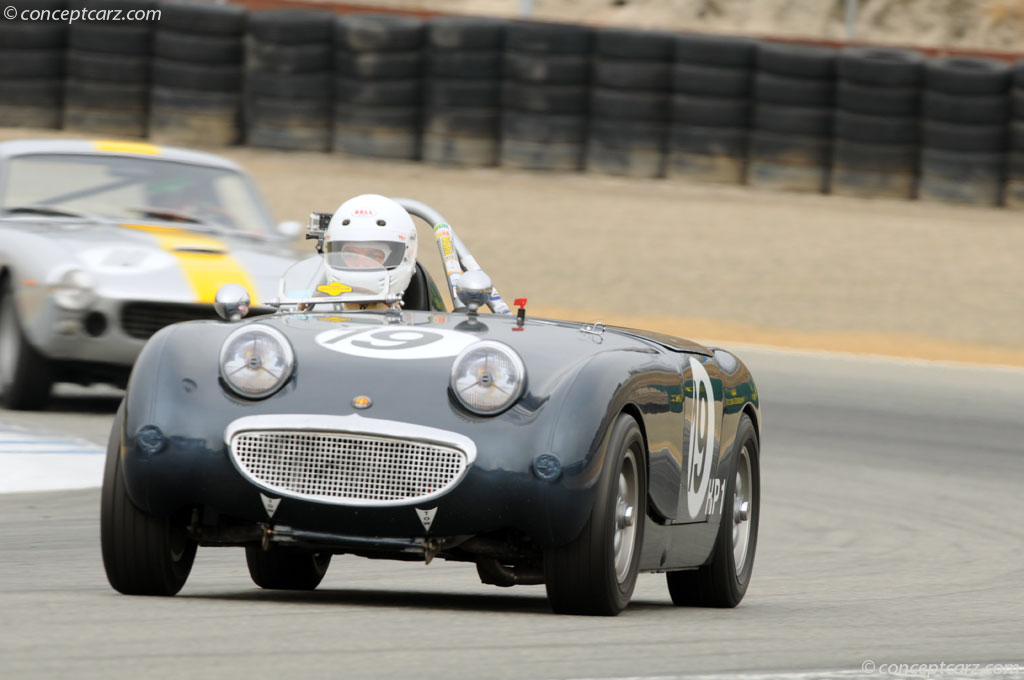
(364, 254)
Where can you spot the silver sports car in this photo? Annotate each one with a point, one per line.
(104, 243)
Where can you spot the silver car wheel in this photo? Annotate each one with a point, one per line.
(626, 502)
(742, 511)
(8, 341)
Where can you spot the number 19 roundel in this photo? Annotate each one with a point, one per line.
(702, 439)
(395, 342)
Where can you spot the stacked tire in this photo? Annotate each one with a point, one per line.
(462, 113)
(196, 96)
(629, 102)
(1014, 193)
(545, 96)
(106, 89)
(31, 70)
(876, 127)
(711, 82)
(378, 85)
(964, 112)
(791, 138)
(289, 73)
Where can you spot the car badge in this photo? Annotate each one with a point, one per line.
(362, 401)
(270, 504)
(334, 288)
(426, 517)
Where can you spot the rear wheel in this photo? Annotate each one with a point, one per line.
(25, 376)
(286, 569)
(595, 574)
(723, 581)
(142, 554)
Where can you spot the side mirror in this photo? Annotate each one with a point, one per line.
(290, 229)
(231, 302)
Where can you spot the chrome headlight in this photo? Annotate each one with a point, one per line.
(256, 360)
(488, 377)
(74, 290)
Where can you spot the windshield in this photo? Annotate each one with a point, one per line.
(134, 189)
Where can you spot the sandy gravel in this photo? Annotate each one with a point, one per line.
(719, 263)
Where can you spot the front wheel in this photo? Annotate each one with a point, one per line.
(723, 581)
(286, 569)
(142, 555)
(595, 574)
(25, 375)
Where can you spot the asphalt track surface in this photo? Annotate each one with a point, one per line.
(891, 533)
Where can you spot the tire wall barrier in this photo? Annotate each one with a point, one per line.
(472, 91)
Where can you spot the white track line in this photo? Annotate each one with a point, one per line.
(35, 461)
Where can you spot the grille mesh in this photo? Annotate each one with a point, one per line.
(347, 467)
(142, 319)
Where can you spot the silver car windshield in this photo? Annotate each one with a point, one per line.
(135, 189)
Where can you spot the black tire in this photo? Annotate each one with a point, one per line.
(970, 138)
(790, 149)
(19, 63)
(796, 61)
(877, 101)
(631, 162)
(291, 26)
(541, 128)
(92, 94)
(875, 157)
(548, 156)
(286, 569)
(192, 76)
(284, 112)
(628, 134)
(787, 91)
(142, 554)
(195, 101)
(21, 115)
(377, 142)
(215, 50)
(631, 74)
(552, 99)
(379, 33)
(117, 122)
(716, 50)
(712, 81)
(967, 75)
(884, 66)
(632, 43)
(480, 123)
(588, 575)
(457, 93)
(1015, 166)
(294, 85)
(203, 17)
(548, 38)
(460, 150)
(396, 118)
(476, 64)
(955, 108)
(548, 69)
(632, 105)
(1017, 102)
(105, 66)
(114, 38)
(857, 127)
(709, 141)
(138, 7)
(379, 65)
(193, 127)
(721, 582)
(293, 138)
(795, 120)
(25, 375)
(31, 35)
(1017, 136)
(710, 111)
(267, 57)
(465, 33)
(32, 92)
(961, 166)
(380, 93)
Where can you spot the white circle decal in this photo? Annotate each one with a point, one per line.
(395, 342)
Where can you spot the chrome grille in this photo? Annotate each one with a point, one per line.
(345, 467)
(142, 319)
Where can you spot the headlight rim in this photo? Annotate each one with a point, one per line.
(74, 296)
(517, 361)
(286, 348)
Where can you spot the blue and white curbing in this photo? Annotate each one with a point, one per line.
(36, 461)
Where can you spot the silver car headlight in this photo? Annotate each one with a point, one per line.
(256, 360)
(488, 377)
(74, 290)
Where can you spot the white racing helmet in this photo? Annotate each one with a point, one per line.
(370, 246)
